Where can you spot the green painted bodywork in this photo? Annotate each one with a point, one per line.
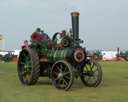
(52, 54)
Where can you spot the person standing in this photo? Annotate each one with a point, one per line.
(25, 45)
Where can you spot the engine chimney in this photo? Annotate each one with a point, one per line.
(75, 28)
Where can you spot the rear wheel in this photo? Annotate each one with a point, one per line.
(28, 66)
(62, 75)
(91, 74)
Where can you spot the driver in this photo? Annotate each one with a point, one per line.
(60, 36)
(39, 35)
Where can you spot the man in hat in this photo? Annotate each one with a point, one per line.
(36, 36)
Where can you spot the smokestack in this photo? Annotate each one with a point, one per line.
(75, 27)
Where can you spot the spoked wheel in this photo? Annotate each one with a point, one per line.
(28, 67)
(91, 74)
(62, 75)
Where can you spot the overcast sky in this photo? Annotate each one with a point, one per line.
(103, 23)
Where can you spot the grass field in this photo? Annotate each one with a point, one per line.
(114, 87)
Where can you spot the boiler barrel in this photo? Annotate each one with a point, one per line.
(59, 54)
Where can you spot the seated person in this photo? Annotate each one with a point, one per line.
(45, 36)
(39, 35)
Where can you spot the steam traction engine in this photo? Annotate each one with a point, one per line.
(60, 63)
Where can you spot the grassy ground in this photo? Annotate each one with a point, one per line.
(114, 87)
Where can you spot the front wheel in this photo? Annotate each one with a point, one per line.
(62, 75)
(91, 73)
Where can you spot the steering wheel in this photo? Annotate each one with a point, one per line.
(54, 38)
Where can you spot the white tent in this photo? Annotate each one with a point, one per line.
(109, 55)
